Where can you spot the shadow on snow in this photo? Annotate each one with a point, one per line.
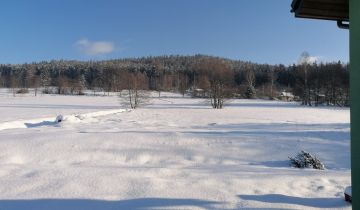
(308, 202)
(82, 204)
(39, 124)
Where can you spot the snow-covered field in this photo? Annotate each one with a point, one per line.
(174, 153)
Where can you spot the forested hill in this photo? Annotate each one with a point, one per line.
(180, 73)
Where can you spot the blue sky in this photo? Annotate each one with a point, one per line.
(254, 30)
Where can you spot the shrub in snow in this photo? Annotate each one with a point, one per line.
(22, 91)
(306, 160)
(59, 118)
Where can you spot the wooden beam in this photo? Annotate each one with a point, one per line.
(321, 9)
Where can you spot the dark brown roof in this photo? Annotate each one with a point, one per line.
(321, 9)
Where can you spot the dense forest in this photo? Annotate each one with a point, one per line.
(199, 75)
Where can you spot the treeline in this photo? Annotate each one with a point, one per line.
(200, 75)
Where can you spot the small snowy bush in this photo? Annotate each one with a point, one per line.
(306, 160)
(59, 118)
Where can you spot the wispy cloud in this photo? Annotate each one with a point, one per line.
(310, 59)
(92, 48)
(313, 59)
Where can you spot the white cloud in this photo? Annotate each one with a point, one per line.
(87, 47)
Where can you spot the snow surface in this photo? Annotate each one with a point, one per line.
(28, 107)
(174, 153)
(348, 190)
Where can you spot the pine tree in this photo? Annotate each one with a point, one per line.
(250, 92)
(45, 80)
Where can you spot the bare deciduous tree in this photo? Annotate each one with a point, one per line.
(182, 84)
(271, 75)
(304, 61)
(35, 80)
(214, 76)
(136, 83)
(14, 83)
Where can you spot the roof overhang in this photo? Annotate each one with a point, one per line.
(337, 10)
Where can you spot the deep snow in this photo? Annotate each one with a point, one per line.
(174, 153)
